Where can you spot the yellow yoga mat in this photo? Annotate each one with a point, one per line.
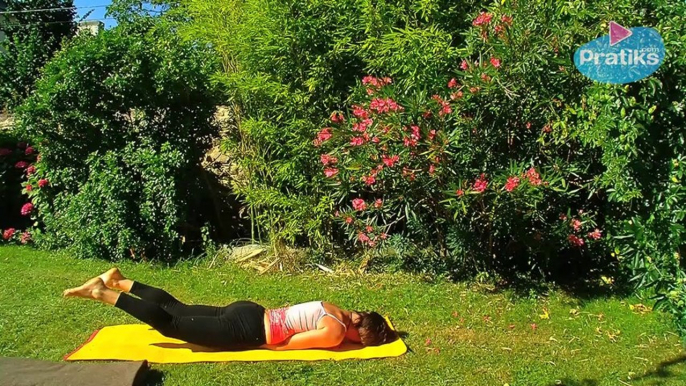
(135, 342)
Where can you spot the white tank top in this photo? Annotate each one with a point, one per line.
(305, 316)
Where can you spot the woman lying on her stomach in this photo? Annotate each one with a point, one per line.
(240, 325)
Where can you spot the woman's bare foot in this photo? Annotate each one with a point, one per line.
(112, 278)
(92, 289)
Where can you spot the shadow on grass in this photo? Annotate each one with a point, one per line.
(664, 370)
(580, 276)
(150, 378)
(571, 382)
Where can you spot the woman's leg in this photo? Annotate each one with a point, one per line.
(202, 330)
(114, 279)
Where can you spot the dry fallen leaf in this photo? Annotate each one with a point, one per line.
(545, 314)
(640, 308)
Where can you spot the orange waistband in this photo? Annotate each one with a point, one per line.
(277, 325)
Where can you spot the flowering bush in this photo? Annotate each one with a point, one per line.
(415, 167)
(477, 138)
(121, 121)
(16, 160)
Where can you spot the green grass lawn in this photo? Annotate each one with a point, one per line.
(457, 334)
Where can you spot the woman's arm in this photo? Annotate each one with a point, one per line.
(322, 338)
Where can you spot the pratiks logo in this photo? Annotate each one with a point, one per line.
(623, 56)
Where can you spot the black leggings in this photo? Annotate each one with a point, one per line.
(239, 325)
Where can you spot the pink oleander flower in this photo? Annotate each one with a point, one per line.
(363, 238)
(483, 19)
(409, 142)
(495, 62)
(30, 170)
(327, 159)
(577, 241)
(456, 95)
(480, 184)
(452, 83)
(384, 105)
(511, 184)
(528, 125)
(5, 152)
(29, 188)
(324, 134)
(595, 235)
(362, 125)
(432, 169)
(464, 65)
(427, 114)
(29, 150)
(416, 135)
(547, 128)
(359, 204)
(25, 237)
(383, 236)
(21, 165)
(369, 229)
(336, 213)
(390, 161)
(445, 109)
(432, 134)
(499, 29)
(316, 142)
(576, 224)
(330, 172)
(506, 19)
(357, 141)
(369, 180)
(360, 112)
(337, 117)
(8, 233)
(459, 192)
(485, 77)
(378, 203)
(349, 220)
(473, 90)
(533, 177)
(372, 80)
(27, 209)
(563, 217)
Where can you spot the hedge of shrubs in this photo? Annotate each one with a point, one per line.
(429, 135)
(122, 121)
(458, 137)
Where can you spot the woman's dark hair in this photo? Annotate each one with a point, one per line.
(374, 330)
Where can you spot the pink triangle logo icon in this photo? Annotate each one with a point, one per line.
(618, 33)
